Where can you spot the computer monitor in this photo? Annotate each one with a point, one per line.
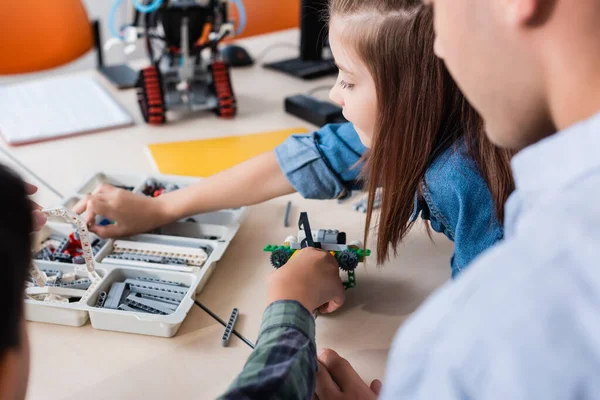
(313, 40)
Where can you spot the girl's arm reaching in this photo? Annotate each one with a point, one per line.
(321, 165)
(254, 181)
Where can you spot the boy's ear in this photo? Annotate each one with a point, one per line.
(529, 12)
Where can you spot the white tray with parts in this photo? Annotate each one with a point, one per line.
(157, 274)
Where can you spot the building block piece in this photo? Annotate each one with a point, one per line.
(53, 290)
(78, 284)
(115, 295)
(101, 299)
(182, 268)
(160, 298)
(157, 289)
(140, 303)
(143, 278)
(68, 277)
(38, 275)
(190, 255)
(229, 328)
(83, 236)
(137, 257)
(156, 304)
(125, 307)
(51, 271)
(351, 282)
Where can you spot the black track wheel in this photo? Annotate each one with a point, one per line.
(150, 95)
(226, 102)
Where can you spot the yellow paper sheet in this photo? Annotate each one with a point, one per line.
(206, 157)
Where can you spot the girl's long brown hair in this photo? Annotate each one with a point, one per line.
(421, 113)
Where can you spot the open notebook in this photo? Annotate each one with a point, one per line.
(56, 107)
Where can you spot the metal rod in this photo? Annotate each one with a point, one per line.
(286, 220)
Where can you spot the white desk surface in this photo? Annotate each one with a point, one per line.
(71, 363)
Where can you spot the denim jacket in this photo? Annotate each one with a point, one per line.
(456, 200)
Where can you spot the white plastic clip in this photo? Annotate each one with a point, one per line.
(38, 275)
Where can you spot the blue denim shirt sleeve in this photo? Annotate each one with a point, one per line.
(456, 199)
(322, 165)
(459, 204)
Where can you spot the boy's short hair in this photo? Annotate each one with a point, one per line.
(15, 255)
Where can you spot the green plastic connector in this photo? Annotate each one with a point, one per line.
(361, 253)
(351, 283)
(271, 248)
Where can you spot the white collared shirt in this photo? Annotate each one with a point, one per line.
(523, 322)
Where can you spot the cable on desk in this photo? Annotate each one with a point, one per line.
(219, 320)
(30, 172)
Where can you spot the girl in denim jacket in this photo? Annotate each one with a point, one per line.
(411, 132)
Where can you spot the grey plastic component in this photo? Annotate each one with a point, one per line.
(326, 236)
(229, 328)
(52, 271)
(160, 298)
(170, 187)
(78, 260)
(142, 278)
(101, 299)
(125, 307)
(97, 245)
(64, 243)
(44, 254)
(57, 278)
(324, 246)
(115, 295)
(174, 261)
(157, 289)
(147, 305)
(363, 204)
(157, 304)
(83, 284)
(334, 247)
(286, 218)
(137, 257)
(64, 258)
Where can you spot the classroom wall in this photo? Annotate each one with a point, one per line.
(262, 16)
(265, 16)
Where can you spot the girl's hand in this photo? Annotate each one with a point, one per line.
(310, 277)
(132, 213)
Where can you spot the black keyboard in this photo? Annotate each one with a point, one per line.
(309, 69)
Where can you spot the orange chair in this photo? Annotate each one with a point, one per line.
(36, 35)
(264, 16)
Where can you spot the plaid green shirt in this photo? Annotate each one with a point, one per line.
(284, 363)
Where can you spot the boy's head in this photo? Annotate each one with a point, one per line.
(510, 58)
(15, 252)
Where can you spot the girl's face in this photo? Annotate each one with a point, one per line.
(354, 90)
